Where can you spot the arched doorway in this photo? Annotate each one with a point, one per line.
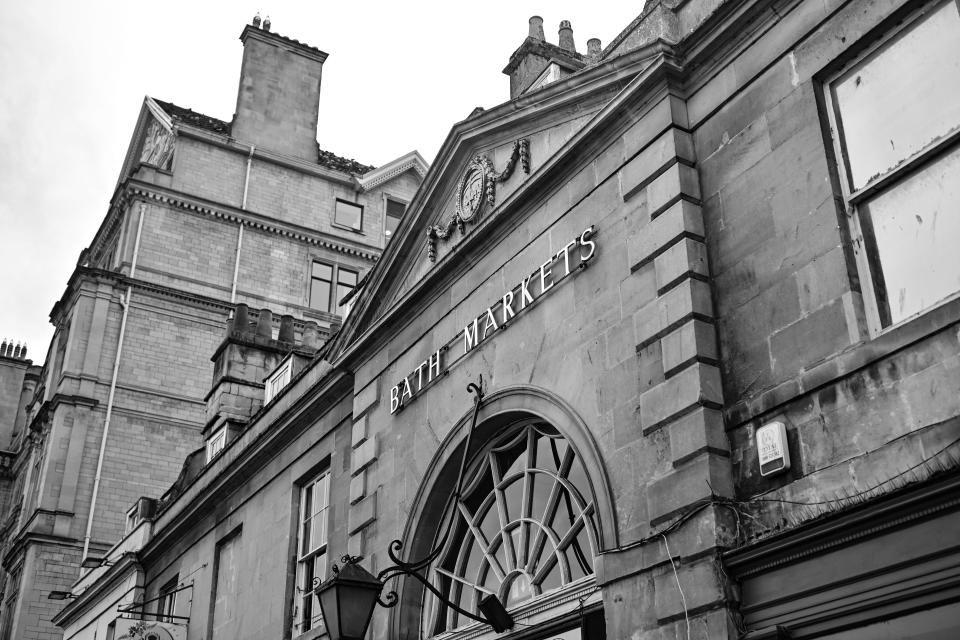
(527, 526)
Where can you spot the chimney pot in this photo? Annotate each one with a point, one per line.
(566, 37)
(16, 351)
(23, 351)
(3, 347)
(241, 319)
(266, 24)
(311, 334)
(265, 324)
(286, 329)
(536, 28)
(256, 20)
(593, 49)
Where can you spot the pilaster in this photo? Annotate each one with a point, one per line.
(682, 408)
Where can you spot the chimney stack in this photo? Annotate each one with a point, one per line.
(279, 96)
(566, 37)
(536, 57)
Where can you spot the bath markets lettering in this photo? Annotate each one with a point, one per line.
(575, 255)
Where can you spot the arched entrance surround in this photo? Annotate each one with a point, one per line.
(499, 411)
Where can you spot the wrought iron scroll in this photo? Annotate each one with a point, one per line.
(443, 231)
(413, 569)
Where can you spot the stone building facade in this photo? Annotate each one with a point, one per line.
(206, 214)
(666, 346)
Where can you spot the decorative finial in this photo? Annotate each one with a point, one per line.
(266, 24)
(256, 20)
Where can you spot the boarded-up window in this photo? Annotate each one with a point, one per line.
(895, 118)
(225, 588)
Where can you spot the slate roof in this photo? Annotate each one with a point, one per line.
(193, 118)
(201, 121)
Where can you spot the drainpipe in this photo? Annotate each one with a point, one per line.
(125, 303)
(246, 179)
(236, 263)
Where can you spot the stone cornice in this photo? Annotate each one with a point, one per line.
(140, 190)
(391, 170)
(258, 33)
(569, 60)
(816, 538)
(25, 538)
(90, 597)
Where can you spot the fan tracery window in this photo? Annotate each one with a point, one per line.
(522, 527)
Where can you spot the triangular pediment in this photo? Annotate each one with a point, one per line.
(152, 142)
(486, 168)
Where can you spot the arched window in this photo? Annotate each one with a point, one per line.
(522, 527)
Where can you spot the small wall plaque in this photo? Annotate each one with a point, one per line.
(772, 448)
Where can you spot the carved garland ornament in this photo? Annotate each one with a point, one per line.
(477, 186)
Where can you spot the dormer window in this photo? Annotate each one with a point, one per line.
(133, 518)
(216, 443)
(277, 380)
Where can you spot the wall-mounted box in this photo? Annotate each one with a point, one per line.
(772, 449)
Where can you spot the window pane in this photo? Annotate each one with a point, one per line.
(348, 214)
(902, 97)
(347, 277)
(306, 510)
(320, 295)
(395, 208)
(394, 213)
(916, 227)
(322, 271)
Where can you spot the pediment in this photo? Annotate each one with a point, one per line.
(473, 189)
(489, 163)
(153, 140)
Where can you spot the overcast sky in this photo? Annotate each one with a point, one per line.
(73, 75)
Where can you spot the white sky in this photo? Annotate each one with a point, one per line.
(73, 75)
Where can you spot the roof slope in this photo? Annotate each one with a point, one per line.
(194, 119)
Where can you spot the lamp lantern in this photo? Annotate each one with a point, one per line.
(347, 600)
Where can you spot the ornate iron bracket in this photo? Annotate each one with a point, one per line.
(477, 186)
(414, 568)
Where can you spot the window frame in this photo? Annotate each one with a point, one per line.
(860, 227)
(333, 268)
(387, 199)
(132, 520)
(306, 557)
(344, 310)
(344, 225)
(213, 449)
(333, 303)
(167, 600)
(278, 380)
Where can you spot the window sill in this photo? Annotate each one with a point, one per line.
(312, 634)
(344, 227)
(853, 358)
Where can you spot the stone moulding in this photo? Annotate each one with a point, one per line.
(263, 226)
(482, 167)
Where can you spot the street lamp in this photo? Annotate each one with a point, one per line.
(348, 598)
